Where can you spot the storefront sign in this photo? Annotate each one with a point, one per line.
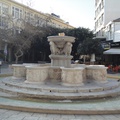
(106, 46)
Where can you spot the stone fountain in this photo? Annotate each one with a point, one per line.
(61, 47)
(60, 82)
(61, 70)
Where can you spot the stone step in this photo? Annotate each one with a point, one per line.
(7, 95)
(86, 108)
(48, 94)
(53, 87)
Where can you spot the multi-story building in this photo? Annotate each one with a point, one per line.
(18, 11)
(105, 11)
(107, 28)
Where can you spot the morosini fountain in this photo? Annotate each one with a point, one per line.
(61, 81)
(61, 70)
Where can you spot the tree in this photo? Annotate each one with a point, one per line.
(80, 35)
(19, 34)
(41, 48)
(90, 46)
(43, 45)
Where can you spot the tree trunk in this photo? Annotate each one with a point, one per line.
(18, 54)
(44, 56)
(16, 59)
(84, 58)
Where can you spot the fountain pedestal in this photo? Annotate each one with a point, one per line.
(19, 71)
(72, 76)
(36, 74)
(97, 73)
(60, 60)
(61, 47)
(54, 73)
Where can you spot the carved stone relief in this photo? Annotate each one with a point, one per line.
(57, 49)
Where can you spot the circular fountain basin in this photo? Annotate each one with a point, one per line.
(60, 41)
(97, 73)
(36, 74)
(60, 60)
(19, 71)
(72, 76)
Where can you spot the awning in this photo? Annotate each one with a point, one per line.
(112, 51)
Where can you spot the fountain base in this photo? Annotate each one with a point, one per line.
(61, 60)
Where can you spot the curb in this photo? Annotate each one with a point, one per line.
(113, 76)
(57, 111)
(6, 75)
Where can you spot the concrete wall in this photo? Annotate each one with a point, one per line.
(112, 10)
(117, 32)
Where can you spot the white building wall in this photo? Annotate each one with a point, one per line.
(112, 31)
(110, 10)
(116, 32)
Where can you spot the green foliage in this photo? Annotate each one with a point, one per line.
(41, 46)
(90, 46)
(80, 35)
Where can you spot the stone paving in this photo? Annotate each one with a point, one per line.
(5, 69)
(18, 115)
(88, 107)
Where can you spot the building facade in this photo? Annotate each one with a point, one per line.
(18, 10)
(107, 28)
(112, 31)
(105, 11)
(12, 11)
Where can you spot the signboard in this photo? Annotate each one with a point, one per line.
(106, 46)
(115, 44)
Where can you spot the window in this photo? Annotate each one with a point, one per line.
(16, 15)
(3, 12)
(3, 22)
(4, 9)
(16, 12)
(102, 3)
(29, 17)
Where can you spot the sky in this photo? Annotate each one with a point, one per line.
(79, 13)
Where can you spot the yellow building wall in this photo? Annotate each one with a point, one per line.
(56, 22)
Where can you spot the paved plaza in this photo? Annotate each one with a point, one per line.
(19, 115)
